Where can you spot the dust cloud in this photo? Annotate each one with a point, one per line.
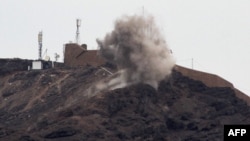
(139, 49)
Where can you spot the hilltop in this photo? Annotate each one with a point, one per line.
(57, 104)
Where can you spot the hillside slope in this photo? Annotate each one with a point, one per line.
(55, 104)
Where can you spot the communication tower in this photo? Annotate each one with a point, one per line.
(40, 45)
(78, 24)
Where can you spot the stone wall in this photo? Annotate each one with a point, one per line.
(211, 80)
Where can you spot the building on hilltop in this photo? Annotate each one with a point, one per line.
(76, 56)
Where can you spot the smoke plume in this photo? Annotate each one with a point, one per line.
(139, 49)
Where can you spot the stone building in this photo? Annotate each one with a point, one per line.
(76, 56)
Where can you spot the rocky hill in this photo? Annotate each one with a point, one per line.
(57, 104)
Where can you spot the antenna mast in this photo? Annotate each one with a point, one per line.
(78, 24)
(40, 45)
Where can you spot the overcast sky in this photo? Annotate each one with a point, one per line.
(215, 33)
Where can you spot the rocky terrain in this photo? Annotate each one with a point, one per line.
(57, 104)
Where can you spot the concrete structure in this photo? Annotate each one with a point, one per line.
(37, 65)
(76, 55)
(41, 64)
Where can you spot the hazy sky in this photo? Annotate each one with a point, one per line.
(215, 33)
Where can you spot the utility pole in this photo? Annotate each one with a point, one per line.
(56, 57)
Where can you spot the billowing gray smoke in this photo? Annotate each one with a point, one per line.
(138, 48)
